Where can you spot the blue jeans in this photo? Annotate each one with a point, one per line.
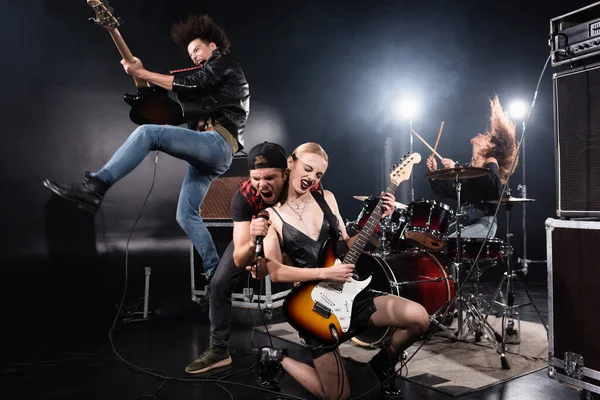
(476, 224)
(221, 290)
(208, 155)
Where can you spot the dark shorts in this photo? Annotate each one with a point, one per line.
(362, 309)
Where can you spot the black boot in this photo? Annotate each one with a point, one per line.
(385, 371)
(88, 194)
(269, 372)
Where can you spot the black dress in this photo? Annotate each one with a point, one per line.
(303, 251)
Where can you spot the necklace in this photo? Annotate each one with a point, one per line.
(303, 200)
(295, 211)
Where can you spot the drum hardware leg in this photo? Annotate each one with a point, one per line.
(509, 312)
(509, 307)
(458, 263)
(510, 277)
(385, 243)
(477, 297)
(475, 319)
(482, 328)
(438, 319)
(421, 281)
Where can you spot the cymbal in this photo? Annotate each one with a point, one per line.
(462, 172)
(363, 198)
(510, 200)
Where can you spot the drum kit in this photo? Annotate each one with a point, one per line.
(414, 256)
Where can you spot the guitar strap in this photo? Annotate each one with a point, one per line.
(334, 228)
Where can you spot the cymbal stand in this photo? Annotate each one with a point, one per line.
(474, 318)
(458, 264)
(510, 308)
(523, 189)
(384, 241)
(476, 296)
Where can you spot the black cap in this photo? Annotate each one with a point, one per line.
(274, 153)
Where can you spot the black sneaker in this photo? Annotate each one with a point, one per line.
(212, 358)
(88, 194)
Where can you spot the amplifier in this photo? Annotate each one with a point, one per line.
(575, 36)
(215, 210)
(577, 141)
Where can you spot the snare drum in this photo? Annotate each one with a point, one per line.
(491, 253)
(427, 223)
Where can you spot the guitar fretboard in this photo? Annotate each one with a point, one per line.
(368, 230)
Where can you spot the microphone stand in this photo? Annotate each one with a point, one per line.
(523, 189)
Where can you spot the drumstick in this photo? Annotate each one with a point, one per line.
(425, 143)
(438, 137)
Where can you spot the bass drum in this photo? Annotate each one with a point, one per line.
(413, 274)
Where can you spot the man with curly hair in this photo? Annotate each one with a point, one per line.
(215, 101)
(494, 150)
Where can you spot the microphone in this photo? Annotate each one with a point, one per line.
(259, 239)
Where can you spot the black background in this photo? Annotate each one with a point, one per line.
(319, 71)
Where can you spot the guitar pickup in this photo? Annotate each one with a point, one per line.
(322, 310)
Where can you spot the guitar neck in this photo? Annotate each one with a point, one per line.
(126, 54)
(368, 230)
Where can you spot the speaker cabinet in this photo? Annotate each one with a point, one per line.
(577, 141)
(216, 208)
(573, 297)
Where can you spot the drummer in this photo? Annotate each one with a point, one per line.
(493, 150)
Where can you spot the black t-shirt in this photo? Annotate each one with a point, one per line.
(246, 202)
(240, 208)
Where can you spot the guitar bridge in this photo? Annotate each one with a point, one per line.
(322, 310)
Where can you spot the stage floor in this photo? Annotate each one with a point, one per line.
(67, 359)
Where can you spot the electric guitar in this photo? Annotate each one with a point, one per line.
(323, 310)
(151, 104)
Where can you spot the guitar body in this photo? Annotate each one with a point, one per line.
(316, 309)
(152, 105)
(323, 310)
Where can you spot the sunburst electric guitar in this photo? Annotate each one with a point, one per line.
(323, 310)
(151, 104)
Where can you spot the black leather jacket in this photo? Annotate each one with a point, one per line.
(218, 91)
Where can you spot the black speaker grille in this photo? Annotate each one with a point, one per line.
(577, 102)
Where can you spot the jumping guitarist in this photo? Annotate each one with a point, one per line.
(302, 226)
(215, 100)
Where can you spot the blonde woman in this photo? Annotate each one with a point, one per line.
(300, 225)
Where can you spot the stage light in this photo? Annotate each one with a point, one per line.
(517, 110)
(406, 109)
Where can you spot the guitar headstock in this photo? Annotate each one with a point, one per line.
(104, 15)
(403, 169)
